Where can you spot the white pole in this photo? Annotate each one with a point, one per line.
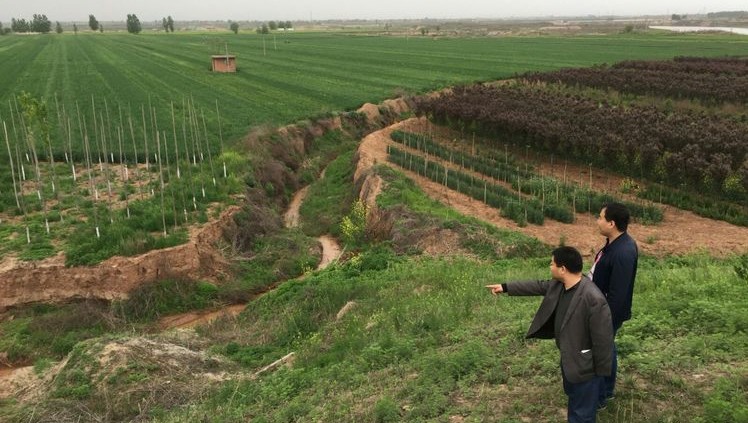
(12, 170)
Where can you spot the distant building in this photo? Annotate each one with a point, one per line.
(224, 63)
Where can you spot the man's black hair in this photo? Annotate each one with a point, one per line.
(619, 214)
(569, 258)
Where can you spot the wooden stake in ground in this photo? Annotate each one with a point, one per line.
(122, 155)
(145, 143)
(125, 180)
(171, 186)
(12, 169)
(187, 155)
(90, 177)
(161, 178)
(207, 146)
(135, 152)
(220, 139)
(109, 137)
(55, 194)
(61, 125)
(70, 148)
(195, 131)
(176, 145)
(105, 169)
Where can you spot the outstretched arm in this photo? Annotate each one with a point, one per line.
(533, 287)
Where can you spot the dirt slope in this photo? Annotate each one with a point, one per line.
(50, 281)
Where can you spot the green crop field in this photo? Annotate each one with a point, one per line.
(287, 77)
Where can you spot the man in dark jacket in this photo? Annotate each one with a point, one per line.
(575, 313)
(614, 272)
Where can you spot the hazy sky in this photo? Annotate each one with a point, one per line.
(109, 10)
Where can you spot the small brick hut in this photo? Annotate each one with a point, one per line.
(224, 63)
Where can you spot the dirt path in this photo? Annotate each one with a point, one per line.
(291, 217)
(192, 319)
(680, 232)
(330, 252)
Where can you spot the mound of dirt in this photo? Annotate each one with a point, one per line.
(371, 111)
(123, 379)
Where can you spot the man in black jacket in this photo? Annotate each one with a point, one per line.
(614, 272)
(576, 314)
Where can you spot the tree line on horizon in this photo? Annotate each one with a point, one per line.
(41, 24)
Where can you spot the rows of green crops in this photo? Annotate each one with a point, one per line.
(286, 77)
(532, 197)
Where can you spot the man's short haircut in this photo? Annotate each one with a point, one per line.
(569, 258)
(619, 214)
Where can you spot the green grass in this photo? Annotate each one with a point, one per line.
(50, 332)
(483, 240)
(329, 199)
(307, 75)
(426, 341)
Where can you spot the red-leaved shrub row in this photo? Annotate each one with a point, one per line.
(690, 148)
(715, 80)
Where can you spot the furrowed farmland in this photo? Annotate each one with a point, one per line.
(288, 77)
(309, 238)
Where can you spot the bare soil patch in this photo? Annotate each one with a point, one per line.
(291, 217)
(330, 251)
(680, 232)
(193, 319)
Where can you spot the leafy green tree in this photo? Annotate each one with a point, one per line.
(170, 23)
(93, 23)
(58, 27)
(133, 24)
(19, 25)
(263, 29)
(272, 25)
(234, 27)
(75, 29)
(101, 28)
(281, 25)
(40, 23)
(164, 24)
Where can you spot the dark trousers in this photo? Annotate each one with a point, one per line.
(583, 399)
(607, 389)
